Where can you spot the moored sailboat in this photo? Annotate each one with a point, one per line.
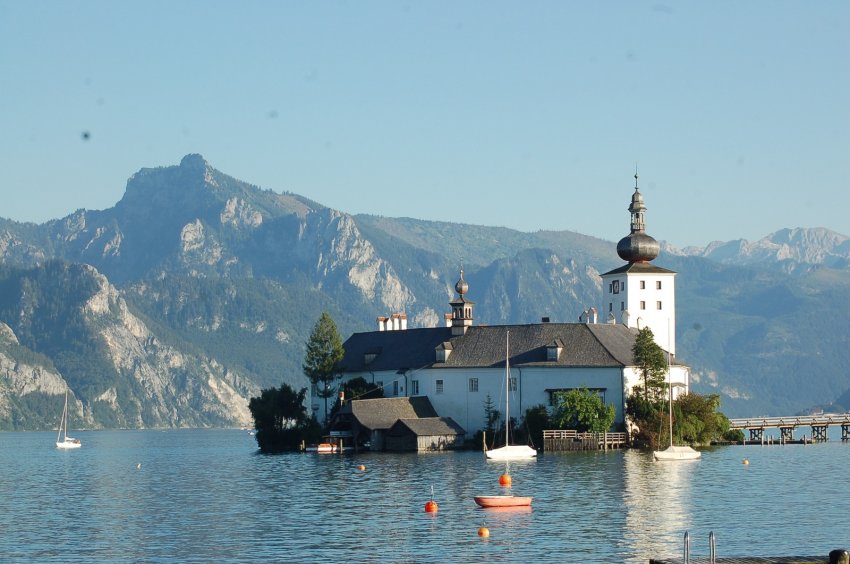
(509, 451)
(62, 439)
(674, 452)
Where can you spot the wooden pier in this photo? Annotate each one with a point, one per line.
(819, 425)
(571, 440)
(745, 560)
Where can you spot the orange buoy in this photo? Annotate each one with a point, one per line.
(483, 532)
(505, 480)
(745, 461)
(431, 506)
(361, 467)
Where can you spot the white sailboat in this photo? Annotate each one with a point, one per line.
(509, 451)
(63, 440)
(673, 452)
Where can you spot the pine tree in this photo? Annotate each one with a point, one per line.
(324, 353)
(652, 363)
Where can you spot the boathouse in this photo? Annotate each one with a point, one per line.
(397, 423)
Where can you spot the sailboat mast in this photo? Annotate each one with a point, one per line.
(670, 403)
(670, 384)
(507, 387)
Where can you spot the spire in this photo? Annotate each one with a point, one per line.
(461, 307)
(638, 246)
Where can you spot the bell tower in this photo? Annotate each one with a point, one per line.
(640, 294)
(461, 308)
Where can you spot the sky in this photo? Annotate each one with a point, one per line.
(527, 115)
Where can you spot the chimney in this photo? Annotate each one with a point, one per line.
(382, 323)
(448, 319)
(593, 315)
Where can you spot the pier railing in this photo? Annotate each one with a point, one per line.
(819, 423)
(570, 439)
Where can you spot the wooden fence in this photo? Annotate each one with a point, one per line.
(561, 440)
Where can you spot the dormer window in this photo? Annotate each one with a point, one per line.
(370, 356)
(443, 351)
(553, 350)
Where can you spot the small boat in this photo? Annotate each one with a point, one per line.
(63, 440)
(493, 501)
(327, 448)
(673, 452)
(509, 451)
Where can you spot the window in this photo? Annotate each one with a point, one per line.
(512, 384)
(380, 384)
(439, 386)
(658, 285)
(395, 388)
(643, 284)
(473, 384)
(643, 305)
(657, 305)
(622, 306)
(414, 387)
(610, 306)
(616, 287)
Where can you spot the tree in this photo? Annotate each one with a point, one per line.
(324, 353)
(535, 421)
(583, 410)
(652, 364)
(491, 416)
(281, 419)
(697, 419)
(357, 389)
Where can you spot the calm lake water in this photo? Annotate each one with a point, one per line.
(207, 495)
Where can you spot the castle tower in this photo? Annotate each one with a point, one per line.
(640, 294)
(461, 308)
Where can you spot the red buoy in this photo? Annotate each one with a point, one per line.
(431, 506)
(505, 480)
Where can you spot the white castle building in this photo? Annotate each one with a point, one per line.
(458, 366)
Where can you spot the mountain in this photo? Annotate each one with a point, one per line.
(788, 250)
(197, 289)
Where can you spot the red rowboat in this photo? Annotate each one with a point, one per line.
(502, 501)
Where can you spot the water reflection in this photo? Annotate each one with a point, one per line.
(207, 495)
(658, 500)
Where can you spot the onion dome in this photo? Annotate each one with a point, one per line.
(461, 286)
(638, 246)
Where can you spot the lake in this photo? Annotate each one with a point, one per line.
(207, 495)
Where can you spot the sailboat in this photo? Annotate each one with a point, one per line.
(509, 451)
(63, 440)
(674, 452)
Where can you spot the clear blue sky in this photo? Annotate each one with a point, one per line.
(530, 115)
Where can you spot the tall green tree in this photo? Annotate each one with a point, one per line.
(583, 410)
(324, 353)
(281, 419)
(652, 364)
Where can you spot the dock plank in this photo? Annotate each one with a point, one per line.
(745, 560)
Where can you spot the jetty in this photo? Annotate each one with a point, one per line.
(819, 424)
(837, 556)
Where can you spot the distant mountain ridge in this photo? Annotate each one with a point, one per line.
(790, 250)
(208, 286)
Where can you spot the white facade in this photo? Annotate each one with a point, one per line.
(642, 299)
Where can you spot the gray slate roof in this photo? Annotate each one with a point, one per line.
(640, 268)
(382, 413)
(591, 345)
(429, 426)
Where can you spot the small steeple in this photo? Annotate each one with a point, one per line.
(461, 307)
(638, 246)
